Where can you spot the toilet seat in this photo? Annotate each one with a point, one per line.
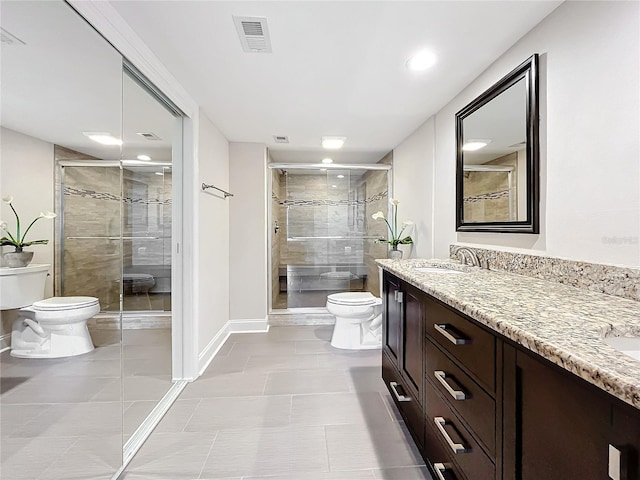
(353, 299)
(54, 304)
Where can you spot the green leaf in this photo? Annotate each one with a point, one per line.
(406, 241)
(5, 242)
(35, 242)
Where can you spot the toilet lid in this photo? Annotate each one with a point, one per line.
(65, 303)
(352, 298)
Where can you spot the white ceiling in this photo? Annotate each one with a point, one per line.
(65, 80)
(337, 67)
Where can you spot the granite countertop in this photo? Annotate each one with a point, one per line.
(563, 324)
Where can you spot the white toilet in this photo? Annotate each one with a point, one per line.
(51, 328)
(358, 320)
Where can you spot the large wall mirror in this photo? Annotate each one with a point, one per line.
(497, 148)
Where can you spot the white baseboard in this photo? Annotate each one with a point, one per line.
(232, 326)
(5, 342)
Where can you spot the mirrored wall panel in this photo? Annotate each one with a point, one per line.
(61, 402)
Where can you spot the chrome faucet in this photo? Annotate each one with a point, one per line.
(466, 253)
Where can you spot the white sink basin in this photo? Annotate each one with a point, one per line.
(627, 345)
(437, 270)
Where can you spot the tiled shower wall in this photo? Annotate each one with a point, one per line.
(308, 207)
(276, 220)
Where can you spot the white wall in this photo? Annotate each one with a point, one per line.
(26, 173)
(248, 231)
(213, 234)
(589, 151)
(413, 185)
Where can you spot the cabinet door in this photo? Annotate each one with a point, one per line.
(411, 364)
(562, 425)
(625, 437)
(392, 318)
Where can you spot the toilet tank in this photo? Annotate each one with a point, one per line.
(20, 287)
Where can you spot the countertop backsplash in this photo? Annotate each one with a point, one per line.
(622, 282)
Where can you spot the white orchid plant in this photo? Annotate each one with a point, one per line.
(18, 240)
(396, 236)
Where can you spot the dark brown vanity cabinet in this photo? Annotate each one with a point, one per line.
(564, 428)
(481, 407)
(462, 415)
(403, 358)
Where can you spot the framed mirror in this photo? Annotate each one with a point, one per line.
(497, 149)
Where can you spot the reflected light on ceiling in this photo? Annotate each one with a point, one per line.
(333, 143)
(103, 138)
(327, 160)
(475, 144)
(144, 158)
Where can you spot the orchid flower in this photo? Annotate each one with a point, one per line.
(18, 241)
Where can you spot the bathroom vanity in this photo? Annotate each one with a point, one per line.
(500, 376)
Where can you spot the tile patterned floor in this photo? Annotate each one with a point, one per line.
(282, 405)
(62, 419)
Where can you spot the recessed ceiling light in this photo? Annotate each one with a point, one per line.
(421, 61)
(144, 158)
(333, 143)
(103, 138)
(334, 186)
(340, 176)
(327, 160)
(475, 144)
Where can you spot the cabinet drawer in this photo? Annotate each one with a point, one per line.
(438, 458)
(405, 399)
(474, 347)
(464, 395)
(456, 439)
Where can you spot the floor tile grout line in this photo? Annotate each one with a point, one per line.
(190, 416)
(208, 453)
(63, 455)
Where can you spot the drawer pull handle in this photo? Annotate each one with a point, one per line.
(400, 398)
(455, 447)
(442, 378)
(442, 330)
(440, 469)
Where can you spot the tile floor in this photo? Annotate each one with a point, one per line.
(282, 405)
(62, 419)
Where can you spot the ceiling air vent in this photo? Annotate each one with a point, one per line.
(253, 33)
(9, 38)
(149, 136)
(281, 139)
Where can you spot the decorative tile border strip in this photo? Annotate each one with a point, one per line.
(81, 192)
(621, 282)
(487, 196)
(332, 203)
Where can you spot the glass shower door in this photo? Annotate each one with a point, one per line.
(146, 204)
(90, 250)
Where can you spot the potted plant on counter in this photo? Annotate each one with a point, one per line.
(396, 236)
(19, 258)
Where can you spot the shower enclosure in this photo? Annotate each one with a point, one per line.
(322, 235)
(115, 234)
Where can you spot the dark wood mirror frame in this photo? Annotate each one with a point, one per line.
(528, 71)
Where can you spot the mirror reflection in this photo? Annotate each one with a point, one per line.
(497, 156)
(85, 139)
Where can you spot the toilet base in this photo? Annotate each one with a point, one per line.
(30, 339)
(348, 335)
